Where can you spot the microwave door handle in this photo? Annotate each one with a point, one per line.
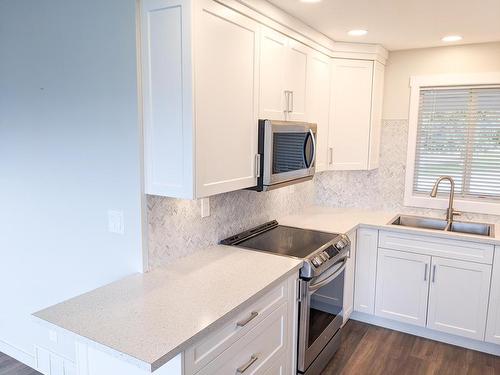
(314, 147)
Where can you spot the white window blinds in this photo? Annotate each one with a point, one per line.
(459, 135)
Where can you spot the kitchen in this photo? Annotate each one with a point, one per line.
(181, 136)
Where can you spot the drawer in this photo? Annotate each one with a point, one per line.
(258, 351)
(437, 246)
(209, 347)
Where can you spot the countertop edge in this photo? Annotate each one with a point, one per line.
(217, 323)
(156, 364)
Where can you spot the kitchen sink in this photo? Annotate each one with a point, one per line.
(481, 229)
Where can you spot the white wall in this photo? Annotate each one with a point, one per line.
(69, 151)
(469, 58)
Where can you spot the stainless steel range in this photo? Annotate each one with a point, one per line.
(321, 293)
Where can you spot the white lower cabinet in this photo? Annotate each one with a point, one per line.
(349, 278)
(493, 323)
(458, 297)
(366, 269)
(450, 294)
(402, 286)
(258, 340)
(257, 351)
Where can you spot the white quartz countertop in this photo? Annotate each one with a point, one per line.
(344, 220)
(147, 319)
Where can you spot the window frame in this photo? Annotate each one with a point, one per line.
(442, 80)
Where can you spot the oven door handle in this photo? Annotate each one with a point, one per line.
(320, 284)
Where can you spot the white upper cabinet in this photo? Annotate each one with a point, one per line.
(201, 132)
(458, 297)
(402, 283)
(283, 77)
(355, 115)
(318, 104)
(296, 79)
(226, 92)
(209, 73)
(273, 55)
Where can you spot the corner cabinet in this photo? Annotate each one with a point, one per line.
(355, 114)
(200, 88)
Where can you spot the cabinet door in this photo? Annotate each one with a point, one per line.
(366, 270)
(295, 79)
(318, 104)
(402, 286)
(458, 299)
(349, 278)
(273, 55)
(493, 323)
(350, 114)
(226, 90)
(167, 93)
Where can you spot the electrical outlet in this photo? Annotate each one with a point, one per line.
(115, 222)
(205, 207)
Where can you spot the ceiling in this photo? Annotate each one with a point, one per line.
(401, 24)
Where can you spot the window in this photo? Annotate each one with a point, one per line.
(455, 131)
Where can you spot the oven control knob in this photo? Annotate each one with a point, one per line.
(317, 261)
(340, 245)
(324, 256)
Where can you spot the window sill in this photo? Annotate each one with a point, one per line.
(440, 203)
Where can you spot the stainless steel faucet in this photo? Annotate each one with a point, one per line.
(450, 212)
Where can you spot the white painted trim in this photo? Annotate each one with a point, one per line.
(18, 354)
(489, 78)
(416, 83)
(144, 202)
(427, 333)
(275, 18)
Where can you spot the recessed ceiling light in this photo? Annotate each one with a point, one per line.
(451, 38)
(357, 32)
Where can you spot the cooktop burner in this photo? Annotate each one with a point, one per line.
(319, 250)
(296, 242)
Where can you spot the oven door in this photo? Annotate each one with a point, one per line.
(289, 151)
(321, 313)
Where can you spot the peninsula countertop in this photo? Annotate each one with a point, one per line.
(147, 319)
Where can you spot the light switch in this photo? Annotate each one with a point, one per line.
(115, 222)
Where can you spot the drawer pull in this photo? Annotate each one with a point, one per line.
(242, 369)
(252, 316)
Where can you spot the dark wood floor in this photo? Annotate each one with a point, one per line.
(9, 366)
(372, 350)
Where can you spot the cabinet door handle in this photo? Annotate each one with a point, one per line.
(244, 322)
(291, 105)
(287, 101)
(330, 155)
(434, 273)
(243, 368)
(425, 272)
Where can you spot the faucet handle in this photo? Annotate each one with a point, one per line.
(456, 213)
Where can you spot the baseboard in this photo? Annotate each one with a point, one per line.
(427, 333)
(18, 354)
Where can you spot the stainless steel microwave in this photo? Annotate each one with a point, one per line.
(287, 151)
